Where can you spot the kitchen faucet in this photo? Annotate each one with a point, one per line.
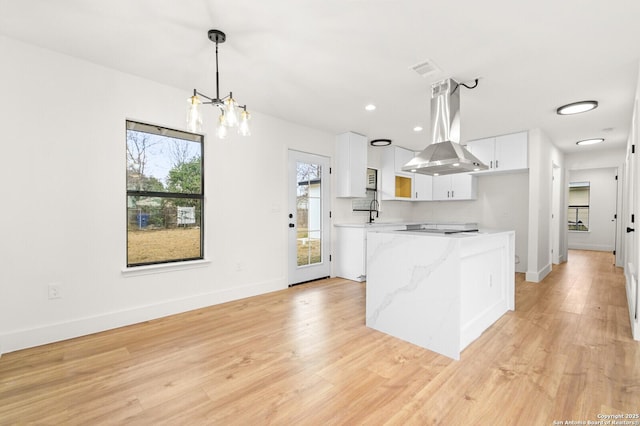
(373, 207)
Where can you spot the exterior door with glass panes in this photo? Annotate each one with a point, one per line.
(308, 217)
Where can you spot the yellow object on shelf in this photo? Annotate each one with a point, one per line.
(403, 187)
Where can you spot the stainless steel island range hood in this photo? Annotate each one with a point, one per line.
(445, 156)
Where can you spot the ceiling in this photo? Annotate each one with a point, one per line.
(319, 62)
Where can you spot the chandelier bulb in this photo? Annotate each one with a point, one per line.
(231, 111)
(221, 129)
(194, 115)
(243, 128)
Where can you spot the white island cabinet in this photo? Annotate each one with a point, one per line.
(439, 291)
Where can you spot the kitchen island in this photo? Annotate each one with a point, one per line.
(351, 243)
(439, 291)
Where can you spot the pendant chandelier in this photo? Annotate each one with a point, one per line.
(232, 115)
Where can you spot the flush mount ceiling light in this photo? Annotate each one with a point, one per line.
(380, 142)
(229, 108)
(417, 129)
(590, 141)
(370, 107)
(577, 107)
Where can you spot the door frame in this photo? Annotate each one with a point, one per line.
(631, 243)
(296, 274)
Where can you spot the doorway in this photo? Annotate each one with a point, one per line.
(309, 231)
(592, 209)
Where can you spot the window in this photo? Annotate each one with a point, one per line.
(371, 197)
(578, 215)
(309, 213)
(165, 193)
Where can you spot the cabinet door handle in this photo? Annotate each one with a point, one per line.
(448, 194)
(497, 164)
(291, 225)
(452, 194)
(491, 164)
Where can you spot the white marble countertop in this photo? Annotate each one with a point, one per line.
(469, 234)
(426, 223)
(373, 224)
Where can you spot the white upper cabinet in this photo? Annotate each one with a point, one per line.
(351, 165)
(401, 156)
(395, 183)
(506, 153)
(423, 187)
(512, 151)
(461, 186)
(398, 184)
(484, 149)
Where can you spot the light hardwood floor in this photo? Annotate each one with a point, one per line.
(303, 356)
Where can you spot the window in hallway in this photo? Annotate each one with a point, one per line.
(578, 214)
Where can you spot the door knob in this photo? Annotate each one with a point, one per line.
(292, 225)
(630, 229)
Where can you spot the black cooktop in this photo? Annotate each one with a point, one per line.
(443, 231)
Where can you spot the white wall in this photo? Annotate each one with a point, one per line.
(595, 159)
(543, 157)
(63, 218)
(502, 203)
(602, 208)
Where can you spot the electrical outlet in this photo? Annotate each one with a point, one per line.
(54, 291)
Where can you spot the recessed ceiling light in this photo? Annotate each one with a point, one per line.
(590, 141)
(380, 142)
(577, 107)
(417, 129)
(370, 107)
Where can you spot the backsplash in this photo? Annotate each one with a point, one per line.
(363, 204)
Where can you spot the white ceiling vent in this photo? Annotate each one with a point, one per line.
(426, 68)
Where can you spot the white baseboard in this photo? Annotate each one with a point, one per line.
(36, 336)
(536, 277)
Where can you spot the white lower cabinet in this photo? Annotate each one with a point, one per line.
(350, 260)
(350, 253)
(455, 187)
